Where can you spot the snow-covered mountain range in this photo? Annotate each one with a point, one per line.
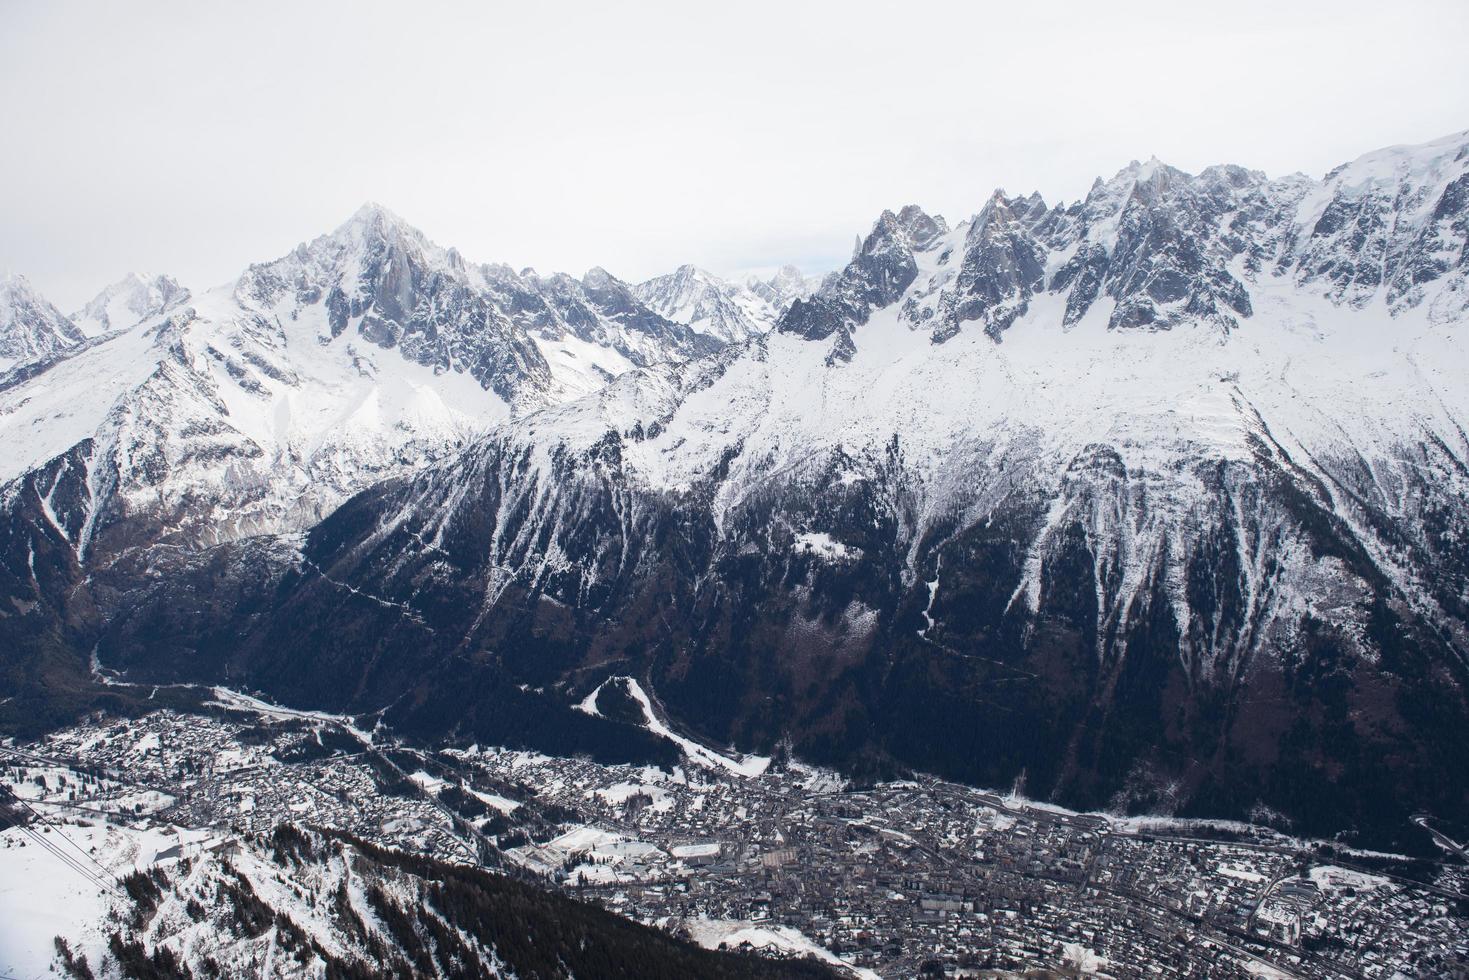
(1155, 500)
(260, 405)
(33, 333)
(730, 311)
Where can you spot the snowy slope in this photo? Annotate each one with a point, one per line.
(42, 898)
(1304, 373)
(303, 903)
(219, 420)
(593, 329)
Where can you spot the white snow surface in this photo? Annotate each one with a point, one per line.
(41, 897)
(824, 546)
(710, 933)
(301, 419)
(746, 765)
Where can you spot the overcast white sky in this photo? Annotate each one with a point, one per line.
(194, 138)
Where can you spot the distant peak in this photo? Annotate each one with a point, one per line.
(373, 216)
(133, 297)
(597, 278)
(371, 210)
(143, 280)
(1139, 170)
(1152, 176)
(18, 289)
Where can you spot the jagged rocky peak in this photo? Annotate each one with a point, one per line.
(360, 355)
(615, 300)
(883, 267)
(372, 221)
(31, 329)
(1166, 248)
(921, 229)
(352, 259)
(392, 259)
(688, 277)
(604, 290)
(785, 287)
(1396, 221)
(1157, 242)
(881, 270)
(729, 311)
(613, 297)
(133, 298)
(380, 277)
(1153, 177)
(1003, 266)
(598, 309)
(691, 283)
(1167, 264)
(677, 293)
(1151, 180)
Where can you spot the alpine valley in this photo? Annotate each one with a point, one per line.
(1151, 504)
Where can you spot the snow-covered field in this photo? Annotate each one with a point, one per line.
(732, 933)
(42, 897)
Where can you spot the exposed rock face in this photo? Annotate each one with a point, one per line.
(400, 292)
(1170, 248)
(1134, 499)
(1003, 267)
(880, 272)
(1394, 222)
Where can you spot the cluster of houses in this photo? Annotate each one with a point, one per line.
(900, 879)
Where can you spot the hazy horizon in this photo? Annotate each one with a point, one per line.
(191, 141)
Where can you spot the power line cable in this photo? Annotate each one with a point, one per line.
(66, 859)
(74, 845)
(71, 862)
(47, 845)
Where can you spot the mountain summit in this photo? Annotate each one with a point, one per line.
(30, 328)
(729, 311)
